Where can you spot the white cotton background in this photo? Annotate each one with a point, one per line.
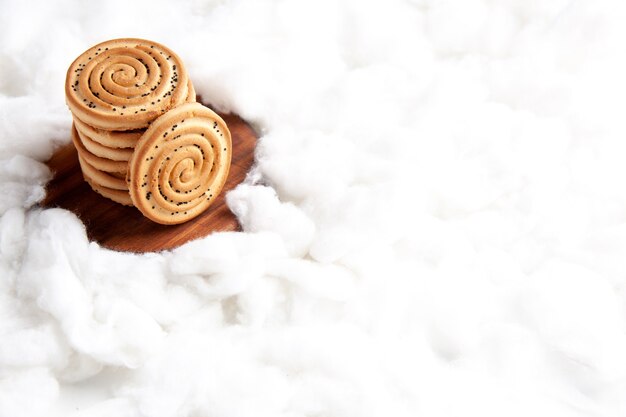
(435, 224)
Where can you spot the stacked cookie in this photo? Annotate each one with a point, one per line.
(141, 138)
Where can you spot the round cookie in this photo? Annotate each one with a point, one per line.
(124, 84)
(98, 149)
(115, 139)
(101, 164)
(108, 138)
(102, 178)
(180, 164)
(118, 196)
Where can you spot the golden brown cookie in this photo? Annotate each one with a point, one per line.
(180, 164)
(124, 84)
(102, 178)
(115, 139)
(98, 149)
(101, 164)
(191, 93)
(118, 196)
(108, 138)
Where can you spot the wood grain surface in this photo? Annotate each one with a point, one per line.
(124, 228)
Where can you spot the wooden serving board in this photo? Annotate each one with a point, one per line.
(124, 228)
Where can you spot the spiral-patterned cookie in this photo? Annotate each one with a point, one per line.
(118, 196)
(116, 145)
(110, 139)
(98, 149)
(124, 84)
(180, 164)
(110, 184)
(115, 181)
(100, 163)
(105, 184)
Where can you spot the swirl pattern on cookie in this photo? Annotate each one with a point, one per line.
(124, 84)
(180, 164)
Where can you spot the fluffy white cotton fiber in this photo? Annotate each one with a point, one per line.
(434, 225)
(259, 210)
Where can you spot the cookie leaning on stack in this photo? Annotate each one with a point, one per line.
(115, 91)
(180, 164)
